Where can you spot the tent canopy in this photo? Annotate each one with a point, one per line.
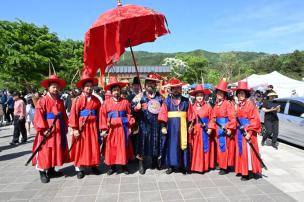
(283, 85)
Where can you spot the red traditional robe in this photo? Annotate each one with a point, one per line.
(55, 151)
(86, 150)
(226, 109)
(118, 116)
(248, 111)
(199, 157)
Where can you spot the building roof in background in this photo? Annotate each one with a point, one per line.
(141, 69)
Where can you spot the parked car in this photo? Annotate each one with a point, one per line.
(291, 120)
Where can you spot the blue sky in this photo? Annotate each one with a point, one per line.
(272, 26)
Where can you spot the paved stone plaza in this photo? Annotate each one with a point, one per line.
(284, 181)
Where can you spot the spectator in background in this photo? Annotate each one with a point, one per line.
(30, 112)
(258, 99)
(1, 115)
(67, 101)
(10, 108)
(35, 97)
(19, 119)
(271, 120)
(3, 103)
(268, 90)
(98, 93)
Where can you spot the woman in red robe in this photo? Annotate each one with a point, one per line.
(199, 136)
(248, 116)
(116, 121)
(223, 119)
(55, 151)
(84, 116)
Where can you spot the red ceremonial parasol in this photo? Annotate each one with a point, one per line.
(117, 29)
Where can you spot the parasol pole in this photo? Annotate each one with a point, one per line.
(74, 76)
(134, 61)
(119, 3)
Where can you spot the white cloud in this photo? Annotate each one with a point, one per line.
(281, 30)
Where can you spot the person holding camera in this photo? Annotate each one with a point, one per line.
(271, 120)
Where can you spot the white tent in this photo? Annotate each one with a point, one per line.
(283, 85)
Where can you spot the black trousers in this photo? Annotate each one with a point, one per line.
(9, 115)
(19, 127)
(272, 128)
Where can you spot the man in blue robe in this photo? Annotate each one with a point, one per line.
(175, 114)
(148, 107)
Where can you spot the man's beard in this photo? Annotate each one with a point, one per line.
(150, 90)
(55, 93)
(116, 96)
(176, 94)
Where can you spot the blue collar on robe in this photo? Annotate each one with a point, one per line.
(124, 119)
(244, 122)
(51, 115)
(221, 135)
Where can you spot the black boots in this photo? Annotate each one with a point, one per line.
(141, 167)
(245, 178)
(155, 163)
(111, 170)
(52, 173)
(95, 170)
(43, 177)
(80, 174)
(125, 170)
(169, 171)
(223, 172)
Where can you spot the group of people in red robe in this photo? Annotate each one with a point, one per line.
(174, 133)
(217, 139)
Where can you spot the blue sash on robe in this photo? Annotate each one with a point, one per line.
(51, 115)
(221, 135)
(205, 135)
(87, 112)
(92, 112)
(124, 119)
(244, 122)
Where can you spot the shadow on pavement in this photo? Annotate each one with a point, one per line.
(6, 136)
(14, 155)
(69, 171)
(2, 148)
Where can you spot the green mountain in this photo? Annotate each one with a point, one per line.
(156, 58)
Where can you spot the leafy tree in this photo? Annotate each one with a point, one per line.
(228, 63)
(25, 52)
(71, 60)
(196, 68)
(213, 76)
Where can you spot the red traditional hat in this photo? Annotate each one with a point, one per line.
(175, 83)
(222, 85)
(53, 79)
(152, 77)
(114, 82)
(200, 89)
(84, 78)
(165, 84)
(243, 85)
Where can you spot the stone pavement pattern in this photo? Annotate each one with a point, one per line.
(20, 183)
